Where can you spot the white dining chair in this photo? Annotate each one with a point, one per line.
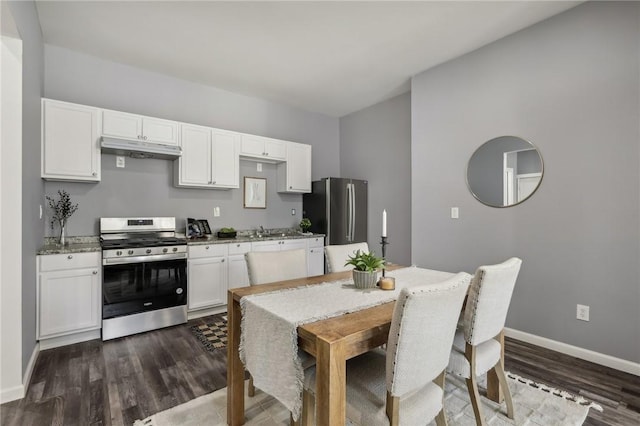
(337, 255)
(270, 266)
(476, 346)
(405, 384)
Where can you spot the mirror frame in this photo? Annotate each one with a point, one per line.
(519, 202)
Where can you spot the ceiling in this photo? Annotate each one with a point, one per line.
(328, 57)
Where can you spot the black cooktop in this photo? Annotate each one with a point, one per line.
(145, 241)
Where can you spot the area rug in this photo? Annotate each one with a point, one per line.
(535, 404)
(213, 334)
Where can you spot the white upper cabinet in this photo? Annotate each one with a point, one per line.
(132, 126)
(70, 142)
(209, 158)
(262, 148)
(295, 174)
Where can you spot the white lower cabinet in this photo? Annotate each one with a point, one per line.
(207, 276)
(315, 256)
(69, 294)
(238, 274)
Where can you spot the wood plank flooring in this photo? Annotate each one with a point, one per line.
(122, 380)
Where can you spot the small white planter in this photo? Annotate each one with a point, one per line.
(363, 279)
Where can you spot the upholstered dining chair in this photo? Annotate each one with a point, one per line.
(476, 346)
(337, 255)
(270, 266)
(405, 384)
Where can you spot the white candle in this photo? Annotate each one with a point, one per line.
(384, 223)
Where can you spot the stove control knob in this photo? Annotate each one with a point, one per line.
(164, 250)
(148, 251)
(130, 252)
(175, 249)
(179, 290)
(118, 253)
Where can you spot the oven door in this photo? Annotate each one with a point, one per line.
(141, 286)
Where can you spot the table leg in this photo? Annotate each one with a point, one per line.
(235, 368)
(494, 392)
(330, 383)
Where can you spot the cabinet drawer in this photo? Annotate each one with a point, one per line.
(58, 262)
(207, 250)
(239, 248)
(316, 242)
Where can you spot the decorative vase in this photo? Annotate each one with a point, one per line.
(365, 279)
(62, 239)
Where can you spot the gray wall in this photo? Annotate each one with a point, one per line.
(26, 18)
(375, 144)
(144, 187)
(571, 86)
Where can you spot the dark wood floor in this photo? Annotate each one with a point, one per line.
(119, 381)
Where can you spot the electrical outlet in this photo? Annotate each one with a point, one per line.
(455, 213)
(293, 212)
(216, 212)
(120, 161)
(582, 312)
(259, 167)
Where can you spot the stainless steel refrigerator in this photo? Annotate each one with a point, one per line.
(337, 207)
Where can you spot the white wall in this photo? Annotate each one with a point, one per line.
(569, 85)
(10, 218)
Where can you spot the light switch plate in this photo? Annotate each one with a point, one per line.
(455, 213)
(119, 161)
(259, 167)
(582, 312)
(216, 212)
(293, 212)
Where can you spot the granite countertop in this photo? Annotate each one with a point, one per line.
(92, 243)
(212, 239)
(74, 245)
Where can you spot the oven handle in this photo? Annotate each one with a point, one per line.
(145, 259)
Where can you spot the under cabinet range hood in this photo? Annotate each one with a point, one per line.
(140, 149)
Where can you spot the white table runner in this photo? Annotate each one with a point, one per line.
(269, 336)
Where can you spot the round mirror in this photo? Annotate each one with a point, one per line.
(504, 171)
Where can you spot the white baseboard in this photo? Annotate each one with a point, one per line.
(205, 312)
(11, 394)
(575, 351)
(69, 339)
(26, 379)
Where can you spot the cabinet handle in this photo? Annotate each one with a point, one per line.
(207, 248)
(94, 174)
(237, 245)
(95, 272)
(213, 182)
(222, 261)
(291, 187)
(70, 257)
(144, 137)
(139, 137)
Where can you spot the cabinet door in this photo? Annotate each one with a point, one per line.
(207, 282)
(275, 149)
(161, 131)
(195, 163)
(315, 261)
(238, 275)
(298, 167)
(225, 168)
(121, 125)
(252, 145)
(70, 142)
(293, 244)
(69, 301)
(273, 245)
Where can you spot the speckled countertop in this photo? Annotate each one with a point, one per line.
(74, 245)
(92, 243)
(212, 239)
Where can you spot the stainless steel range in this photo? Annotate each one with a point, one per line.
(144, 275)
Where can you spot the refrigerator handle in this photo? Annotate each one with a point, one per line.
(353, 212)
(349, 211)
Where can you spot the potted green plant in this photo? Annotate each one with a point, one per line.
(227, 232)
(365, 268)
(305, 224)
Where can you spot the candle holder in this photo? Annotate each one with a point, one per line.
(385, 283)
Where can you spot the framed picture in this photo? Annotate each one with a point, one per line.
(255, 193)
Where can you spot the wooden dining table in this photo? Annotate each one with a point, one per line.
(331, 341)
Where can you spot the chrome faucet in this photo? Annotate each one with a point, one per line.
(261, 229)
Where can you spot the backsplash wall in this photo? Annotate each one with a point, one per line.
(145, 188)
